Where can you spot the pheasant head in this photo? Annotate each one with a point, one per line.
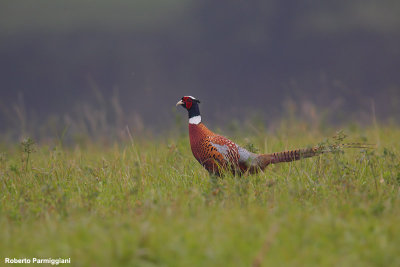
(191, 104)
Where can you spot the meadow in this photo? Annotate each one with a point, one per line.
(147, 202)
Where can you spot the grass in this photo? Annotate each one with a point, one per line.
(149, 203)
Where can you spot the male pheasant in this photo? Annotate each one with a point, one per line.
(218, 154)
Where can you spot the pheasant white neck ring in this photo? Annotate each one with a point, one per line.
(195, 119)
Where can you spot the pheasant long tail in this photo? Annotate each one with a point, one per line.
(293, 155)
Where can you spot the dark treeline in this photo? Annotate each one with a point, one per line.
(236, 56)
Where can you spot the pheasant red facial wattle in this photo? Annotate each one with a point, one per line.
(188, 103)
(218, 154)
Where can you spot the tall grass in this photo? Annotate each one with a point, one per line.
(147, 202)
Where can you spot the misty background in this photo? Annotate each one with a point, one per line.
(91, 65)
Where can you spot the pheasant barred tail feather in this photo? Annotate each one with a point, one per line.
(354, 145)
(287, 156)
(293, 155)
(340, 147)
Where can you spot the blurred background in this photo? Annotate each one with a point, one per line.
(97, 66)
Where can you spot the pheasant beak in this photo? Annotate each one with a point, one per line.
(180, 103)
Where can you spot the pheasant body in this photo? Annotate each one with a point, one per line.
(217, 153)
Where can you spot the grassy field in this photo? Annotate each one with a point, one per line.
(149, 203)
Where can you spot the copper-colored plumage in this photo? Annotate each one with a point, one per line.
(203, 143)
(217, 153)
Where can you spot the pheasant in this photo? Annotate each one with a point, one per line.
(218, 154)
